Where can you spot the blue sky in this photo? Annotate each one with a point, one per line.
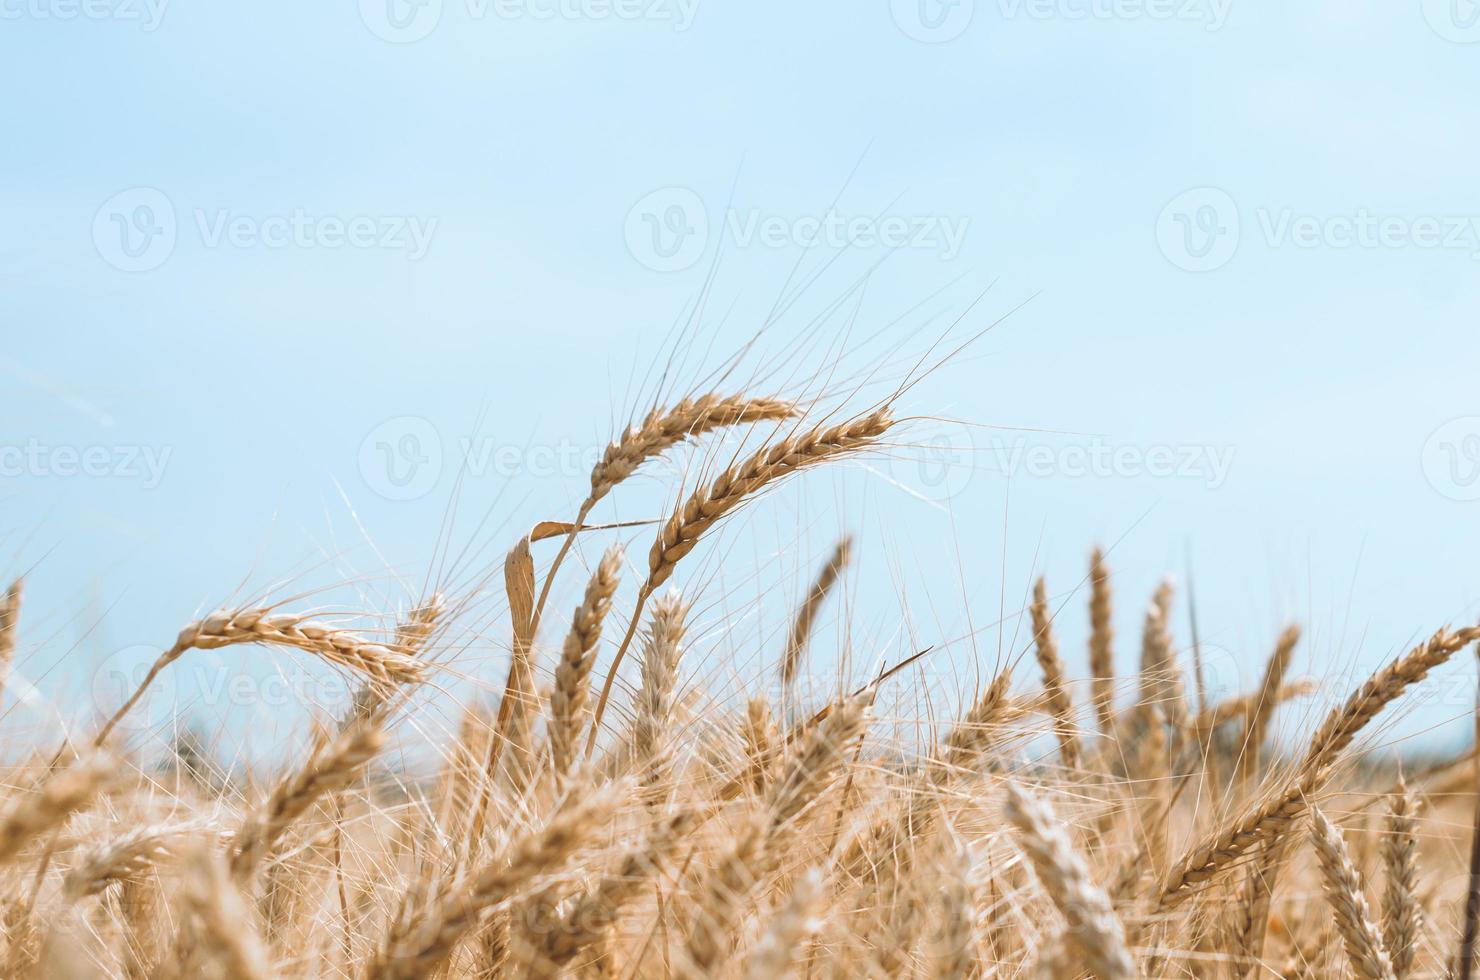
(244, 255)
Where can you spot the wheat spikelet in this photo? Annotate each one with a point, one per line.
(1093, 928)
(662, 649)
(773, 952)
(1054, 690)
(329, 770)
(578, 656)
(420, 946)
(1102, 644)
(1345, 891)
(126, 856)
(1402, 915)
(1265, 701)
(62, 794)
(801, 623)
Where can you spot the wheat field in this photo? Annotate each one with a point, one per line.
(605, 817)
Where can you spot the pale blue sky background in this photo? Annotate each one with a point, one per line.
(1331, 360)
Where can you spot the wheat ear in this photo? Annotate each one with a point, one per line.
(1265, 701)
(662, 650)
(1055, 691)
(329, 770)
(1102, 644)
(806, 614)
(1092, 927)
(583, 924)
(577, 657)
(1402, 914)
(129, 855)
(421, 947)
(227, 936)
(64, 793)
(1273, 817)
(659, 431)
(772, 954)
(811, 768)
(383, 665)
(1346, 893)
(706, 506)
